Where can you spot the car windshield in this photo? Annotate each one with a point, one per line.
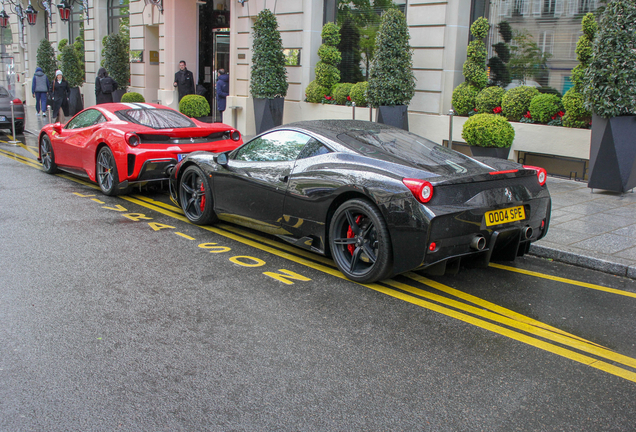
(399, 146)
(156, 118)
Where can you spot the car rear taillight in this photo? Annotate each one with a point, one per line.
(235, 135)
(542, 175)
(17, 101)
(132, 139)
(421, 189)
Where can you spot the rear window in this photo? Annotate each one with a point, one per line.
(394, 145)
(156, 118)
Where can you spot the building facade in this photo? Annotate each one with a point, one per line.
(210, 34)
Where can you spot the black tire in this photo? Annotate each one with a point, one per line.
(47, 156)
(195, 196)
(106, 173)
(19, 130)
(360, 242)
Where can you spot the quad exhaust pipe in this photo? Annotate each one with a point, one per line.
(478, 243)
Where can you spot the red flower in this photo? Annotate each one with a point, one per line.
(553, 117)
(475, 109)
(349, 98)
(328, 97)
(528, 115)
(496, 110)
(560, 113)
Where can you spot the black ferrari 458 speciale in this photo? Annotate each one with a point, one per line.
(379, 200)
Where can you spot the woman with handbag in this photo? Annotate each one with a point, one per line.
(60, 92)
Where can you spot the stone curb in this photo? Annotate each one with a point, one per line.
(584, 261)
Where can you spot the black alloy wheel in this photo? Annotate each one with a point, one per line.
(107, 175)
(47, 156)
(195, 196)
(359, 241)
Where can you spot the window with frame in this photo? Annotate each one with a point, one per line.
(76, 21)
(87, 118)
(118, 16)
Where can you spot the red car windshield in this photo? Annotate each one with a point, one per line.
(156, 118)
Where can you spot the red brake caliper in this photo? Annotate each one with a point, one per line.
(202, 205)
(350, 234)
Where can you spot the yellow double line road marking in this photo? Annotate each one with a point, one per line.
(480, 313)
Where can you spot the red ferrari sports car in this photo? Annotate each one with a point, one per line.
(118, 144)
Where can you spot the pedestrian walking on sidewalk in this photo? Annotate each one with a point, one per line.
(222, 91)
(184, 81)
(39, 88)
(60, 91)
(104, 87)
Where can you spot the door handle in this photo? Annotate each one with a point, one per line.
(283, 179)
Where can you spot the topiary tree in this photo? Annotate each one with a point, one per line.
(194, 106)
(489, 99)
(342, 92)
(133, 97)
(71, 66)
(327, 73)
(391, 79)
(474, 69)
(46, 58)
(349, 48)
(516, 102)
(498, 64)
(545, 106)
(269, 77)
(576, 116)
(488, 130)
(359, 93)
(115, 58)
(610, 79)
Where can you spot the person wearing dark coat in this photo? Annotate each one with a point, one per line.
(100, 96)
(184, 81)
(61, 92)
(40, 88)
(222, 91)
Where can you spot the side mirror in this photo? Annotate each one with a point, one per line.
(57, 127)
(221, 159)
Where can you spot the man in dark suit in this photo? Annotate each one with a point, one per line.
(184, 81)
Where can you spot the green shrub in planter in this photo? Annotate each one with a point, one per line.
(391, 79)
(464, 98)
(268, 79)
(46, 58)
(544, 106)
(359, 93)
(341, 91)
(611, 76)
(488, 130)
(576, 116)
(132, 97)
(516, 102)
(315, 93)
(327, 72)
(116, 58)
(194, 106)
(488, 99)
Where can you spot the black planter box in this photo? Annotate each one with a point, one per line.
(117, 94)
(75, 102)
(268, 113)
(397, 116)
(612, 153)
(496, 152)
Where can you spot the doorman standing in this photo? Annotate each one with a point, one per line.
(184, 81)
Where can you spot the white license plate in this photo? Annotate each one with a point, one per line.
(181, 156)
(3, 118)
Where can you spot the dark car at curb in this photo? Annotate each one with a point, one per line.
(379, 200)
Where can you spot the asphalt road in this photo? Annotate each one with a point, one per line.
(117, 314)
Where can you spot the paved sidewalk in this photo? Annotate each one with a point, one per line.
(592, 230)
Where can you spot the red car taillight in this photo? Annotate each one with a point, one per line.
(542, 175)
(17, 101)
(235, 135)
(421, 189)
(132, 139)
